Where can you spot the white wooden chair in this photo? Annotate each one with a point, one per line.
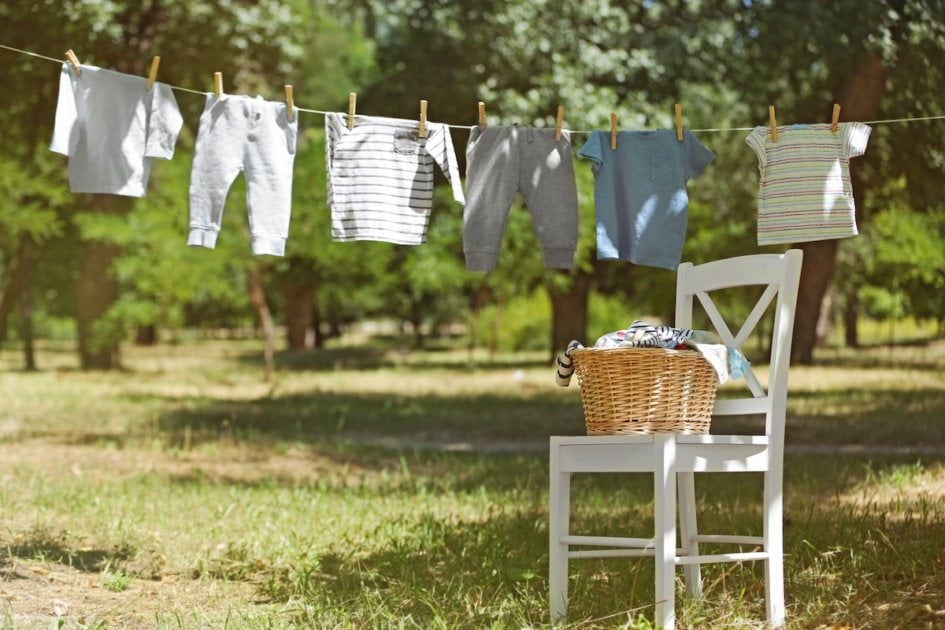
(673, 458)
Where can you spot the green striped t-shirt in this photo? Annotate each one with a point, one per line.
(805, 193)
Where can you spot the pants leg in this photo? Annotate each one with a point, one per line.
(550, 192)
(218, 159)
(491, 182)
(270, 156)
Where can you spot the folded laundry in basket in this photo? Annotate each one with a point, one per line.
(643, 335)
(728, 363)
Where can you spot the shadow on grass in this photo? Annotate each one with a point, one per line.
(410, 421)
(388, 356)
(880, 418)
(48, 546)
(920, 354)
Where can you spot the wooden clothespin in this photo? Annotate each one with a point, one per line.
(74, 62)
(774, 123)
(679, 130)
(613, 131)
(152, 73)
(289, 103)
(835, 119)
(218, 84)
(423, 119)
(482, 114)
(352, 105)
(559, 121)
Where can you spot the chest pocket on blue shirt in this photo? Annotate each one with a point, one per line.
(662, 166)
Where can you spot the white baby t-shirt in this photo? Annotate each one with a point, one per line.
(110, 125)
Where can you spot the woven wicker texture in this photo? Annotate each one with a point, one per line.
(645, 390)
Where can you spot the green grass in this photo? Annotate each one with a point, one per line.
(368, 488)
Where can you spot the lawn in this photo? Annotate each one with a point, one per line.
(374, 487)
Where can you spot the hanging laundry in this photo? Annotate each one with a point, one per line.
(110, 126)
(640, 199)
(380, 177)
(242, 133)
(503, 161)
(804, 193)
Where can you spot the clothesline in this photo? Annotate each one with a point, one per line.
(454, 126)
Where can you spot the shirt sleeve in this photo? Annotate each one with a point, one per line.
(592, 150)
(164, 123)
(855, 137)
(756, 140)
(66, 128)
(440, 147)
(332, 133)
(698, 156)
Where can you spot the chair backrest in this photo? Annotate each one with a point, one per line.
(778, 275)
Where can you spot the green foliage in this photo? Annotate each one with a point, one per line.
(520, 324)
(724, 60)
(907, 273)
(31, 200)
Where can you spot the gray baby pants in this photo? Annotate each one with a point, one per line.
(501, 161)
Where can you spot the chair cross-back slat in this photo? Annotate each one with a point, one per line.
(736, 342)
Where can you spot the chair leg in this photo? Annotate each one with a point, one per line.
(664, 516)
(774, 545)
(688, 530)
(559, 518)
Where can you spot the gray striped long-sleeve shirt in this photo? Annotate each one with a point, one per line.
(380, 177)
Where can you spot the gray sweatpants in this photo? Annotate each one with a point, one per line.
(501, 161)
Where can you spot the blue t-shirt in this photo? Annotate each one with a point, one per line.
(640, 193)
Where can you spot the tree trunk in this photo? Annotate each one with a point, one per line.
(416, 324)
(97, 290)
(825, 320)
(569, 312)
(851, 315)
(146, 335)
(820, 258)
(317, 328)
(257, 296)
(299, 315)
(14, 284)
(860, 96)
(25, 310)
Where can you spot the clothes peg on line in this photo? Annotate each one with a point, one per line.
(289, 103)
(679, 130)
(559, 121)
(423, 119)
(218, 84)
(74, 62)
(152, 74)
(835, 119)
(482, 115)
(613, 131)
(352, 105)
(774, 123)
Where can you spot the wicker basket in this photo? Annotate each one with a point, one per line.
(645, 390)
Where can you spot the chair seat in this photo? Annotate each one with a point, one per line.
(636, 453)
